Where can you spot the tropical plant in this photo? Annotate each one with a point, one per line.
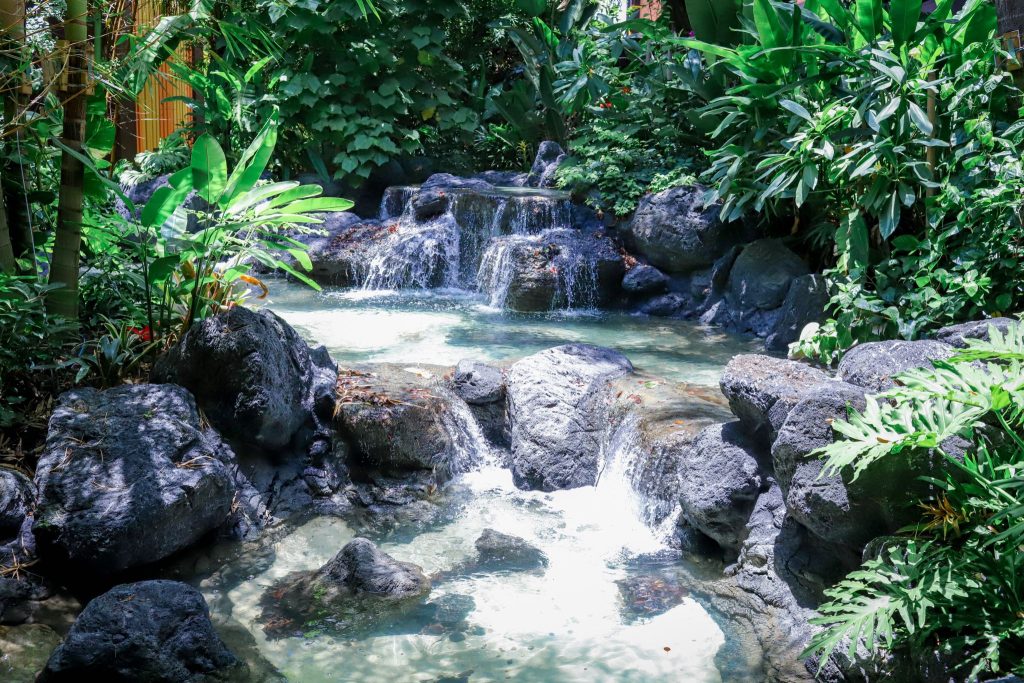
(952, 582)
(113, 357)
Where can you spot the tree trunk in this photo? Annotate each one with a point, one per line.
(12, 39)
(68, 240)
(7, 263)
(1011, 15)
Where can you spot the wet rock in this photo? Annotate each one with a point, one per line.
(677, 233)
(957, 335)
(761, 276)
(558, 268)
(556, 402)
(255, 379)
(402, 420)
(805, 303)
(874, 364)
(665, 306)
(549, 157)
(434, 195)
(24, 651)
(644, 279)
(482, 387)
(16, 502)
(837, 508)
(503, 552)
(503, 178)
(721, 478)
(339, 258)
(127, 478)
(760, 389)
(21, 594)
(146, 631)
(647, 596)
(360, 590)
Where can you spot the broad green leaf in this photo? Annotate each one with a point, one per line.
(919, 118)
(209, 169)
(869, 18)
(903, 16)
(769, 25)
(252, 163)
(796, 108)
(167, 199)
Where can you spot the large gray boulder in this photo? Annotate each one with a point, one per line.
(127, 477)
(151, 631)
(805, 303)
(434, 195)
(874, 364)
(761, 276)
(556, 401)
(761, 389)
(721, 478)
(644, 279)
(957, 335)
(677, 233)
(837, 508)
(361, 567)
(400, 421)
(255, 378)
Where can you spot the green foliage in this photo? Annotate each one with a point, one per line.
(953, 581)
(889, 138)
(115, 356)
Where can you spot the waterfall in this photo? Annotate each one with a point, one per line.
(415, 255)
(497, 269)
(396, 200)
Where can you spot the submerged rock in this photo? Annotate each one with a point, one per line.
(127, 478)
(557, 401)
(360, 590)
(874, 364)
(255, 379)
(497, 551)
(146, 631)
(721, 478)
(761, 389)
(677, 233)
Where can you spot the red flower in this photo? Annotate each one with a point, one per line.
(606, 105)
(627, 90)
(143, 333)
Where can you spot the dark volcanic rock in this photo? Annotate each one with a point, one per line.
(549, 156)
(399, 421)
(874, 364)
(482, 387)
(157, 631)
(556, 404)
(434, 195)
(665, 306)
(676, 233)
(761, 275)
(644, 279)
(755, 384)
(721, 479)
(339, 258)
(361, 590)
(16, 499)
(497, 551)
(255, 379)
(805, 303)
(127, 478)
(957, 335)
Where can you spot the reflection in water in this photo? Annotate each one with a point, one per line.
(442, 327)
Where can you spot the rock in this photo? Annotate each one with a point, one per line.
(957, 335)
(721, 479)
(559, 268)
(805, 303)
(21, 596)
(400, 421)
(556, 403)
(665, 306)
(549, 157)
(677, 233)
(478, 383)
(16, 501)
(836, 508)
(754, 384)
(146, 631)
(502, 552)
(761, 275)
(255, 379)
(339, 258)
(644, 279)
(127, 477)
(874, 364)
(360, 591)
(482, 387)
(504, 178)
(434, 195)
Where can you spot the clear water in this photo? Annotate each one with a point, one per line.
(442, 327)
(575, 621)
